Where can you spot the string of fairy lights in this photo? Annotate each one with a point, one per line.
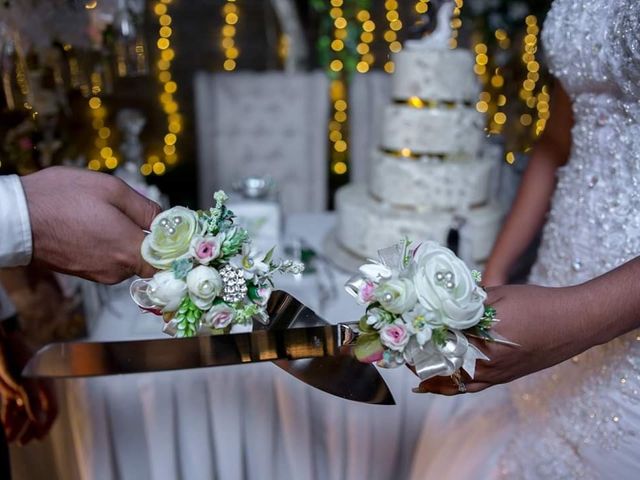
(456, 23)
(157, 163)
(338, 126)
(391, 34)
(230, 15)
(367, 37)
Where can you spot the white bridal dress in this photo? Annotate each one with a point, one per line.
(580, 419)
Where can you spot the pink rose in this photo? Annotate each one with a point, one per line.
(394, 336)
(206, 249)
(220, 316)
(365, 294)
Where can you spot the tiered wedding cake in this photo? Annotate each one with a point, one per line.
(431, 175)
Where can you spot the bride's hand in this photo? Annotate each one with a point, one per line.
(541, 320)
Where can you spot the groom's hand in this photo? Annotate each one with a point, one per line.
(87, 224)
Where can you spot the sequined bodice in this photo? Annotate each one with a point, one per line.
(593, 48)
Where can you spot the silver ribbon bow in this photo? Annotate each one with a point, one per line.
(443, 360)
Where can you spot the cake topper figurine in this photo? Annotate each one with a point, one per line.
(440, 33)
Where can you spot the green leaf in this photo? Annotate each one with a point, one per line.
(439, 336)
(269, 256)
(364, 326)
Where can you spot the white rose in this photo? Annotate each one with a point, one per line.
(204, 285)
(220, 316)
(166, 291)
(445, 287)
(170, 237)
(396, 295)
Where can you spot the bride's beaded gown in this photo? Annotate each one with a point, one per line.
(580, 419)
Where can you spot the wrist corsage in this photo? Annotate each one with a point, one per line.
(210, 280)
(422, 304)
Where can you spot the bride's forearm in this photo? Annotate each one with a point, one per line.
(610, 304)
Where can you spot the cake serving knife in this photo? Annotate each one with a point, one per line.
(297, 340)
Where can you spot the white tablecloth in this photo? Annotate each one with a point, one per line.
(247, 421)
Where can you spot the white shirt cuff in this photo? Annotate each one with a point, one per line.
(16, 243)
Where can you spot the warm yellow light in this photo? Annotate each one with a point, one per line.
(395, 25)
(480, 69)
(502, 100)
(337, 45)
(231, 18)
(164, 20)
(395, 47)
(174, 127)
(510, 158)
(230, 8)
(163, 65)
(528, 85)
(500, 118)
(159, 168)
(340, 168)
(480, 48)
(229, 65)
(500, 34)
(391, 5)
(104, 132)
(163, 43)
(153, 159)
(168, 54)
(416, 102)
(337, 3)
(362, 48)
(340, 146)
(232, 53)
(111, 163)
(392, 16)
(340, 105)
(91, 4)
(368, 26)
(160, 9)
(389, 67)
(169, 149)
(171, 159)
(340, 23)
(94, 103)
(341, 33)
(368, 57)
(335, 12)
(165, 32)
(531, 20)
(486, 96)
(94, 164)
(362, 67)
(366, 37)
(145, 169)
(405, 152)
(170, 139)
(390, 36)
(363, 16)
(106, 152)
(335, 135)
(171, 87)
(164, 77)
(497, 81)
(526, 119)
(482, 106)
(422, 8)
(336, 65)
(340, 117)
(482, 59)
(228, 31)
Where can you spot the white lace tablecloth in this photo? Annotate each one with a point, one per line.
(247, 421)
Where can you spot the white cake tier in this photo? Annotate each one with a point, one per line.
(365, 225)
(433, 131)
(435, 74)
(429, 183)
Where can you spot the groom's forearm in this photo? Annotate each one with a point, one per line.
(610, 304)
